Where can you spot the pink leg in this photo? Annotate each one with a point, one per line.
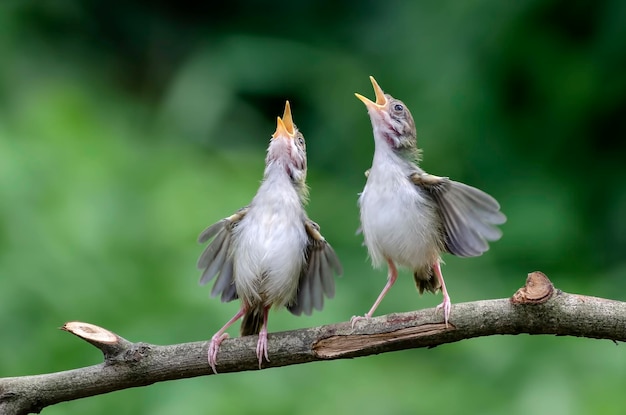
(391, 279)
(261, 346)
(219, 337)
(446, 304)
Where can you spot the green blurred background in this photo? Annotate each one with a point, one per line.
(126, 128)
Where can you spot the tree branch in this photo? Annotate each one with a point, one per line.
(537, 308)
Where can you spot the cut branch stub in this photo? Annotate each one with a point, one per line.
(538, 289)
(108, 342)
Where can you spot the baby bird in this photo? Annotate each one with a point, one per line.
(270, 253)
(409, 217)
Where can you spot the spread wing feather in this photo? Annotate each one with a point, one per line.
(469, 215)
(217, 256)
(317, 276)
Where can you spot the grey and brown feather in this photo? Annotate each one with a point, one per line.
(216, 259)
(316, 279)
(469, 215)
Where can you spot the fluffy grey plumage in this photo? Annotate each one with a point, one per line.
(270, 253)
(409, 217)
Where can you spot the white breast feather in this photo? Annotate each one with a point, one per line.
(398, 222)
(269, 244)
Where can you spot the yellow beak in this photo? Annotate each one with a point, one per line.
(381, 100)
(285, 126)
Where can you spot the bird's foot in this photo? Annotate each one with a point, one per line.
(261, 348)
(356, 319)
(445, 306)
(214, 346)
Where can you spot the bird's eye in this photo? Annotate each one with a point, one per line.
(301, 141)
(398, 108)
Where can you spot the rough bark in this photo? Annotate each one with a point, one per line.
(537, 308)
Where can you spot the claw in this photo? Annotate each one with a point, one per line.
(261, 345)
(219, 337)
(445, 306)
(214, 346)
(261, 348)
(356, 319)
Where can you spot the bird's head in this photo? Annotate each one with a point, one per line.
(391, 120)
(287, 148)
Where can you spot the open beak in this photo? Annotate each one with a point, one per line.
(284, 126)
(381, 100)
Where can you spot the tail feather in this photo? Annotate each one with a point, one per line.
(425, 280)
(252, 321)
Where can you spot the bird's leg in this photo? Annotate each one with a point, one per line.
(261, 346)
(391, 279)
(446, 304)
(219, 337)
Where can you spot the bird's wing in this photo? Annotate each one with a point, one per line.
(316, 278)
(469, 215)
(217, 259)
